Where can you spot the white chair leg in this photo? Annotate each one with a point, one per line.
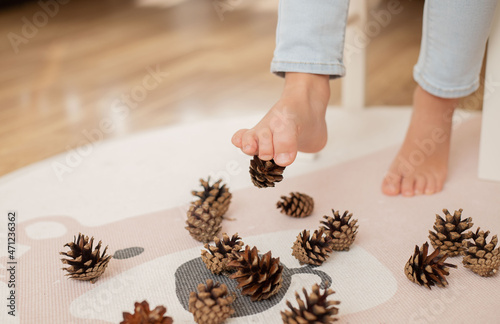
(353, 84)
(489, 153)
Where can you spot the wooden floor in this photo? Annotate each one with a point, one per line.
(86, 71)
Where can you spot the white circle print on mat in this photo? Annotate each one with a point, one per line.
(45, 230)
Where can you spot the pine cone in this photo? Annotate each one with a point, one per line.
(265, 173)
(480, 257)
(217, 257)
(449, 234)
(315, 310)
(212, 304)
(203, 222)
(341, 230)
(217, 196)
(428, 270)
(143, 315)
(314, 250)
(297, 205)
(260, 277)
(85, 264)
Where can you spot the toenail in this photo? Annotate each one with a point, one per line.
(247, 147)
(391, 188)
(429, 192)
(282, 158)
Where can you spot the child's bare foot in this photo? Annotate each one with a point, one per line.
(421, 165)
(295, 123)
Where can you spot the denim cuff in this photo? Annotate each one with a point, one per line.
(334, 70)
(444, 91)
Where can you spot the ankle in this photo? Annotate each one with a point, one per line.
(431, 109)
(313, 87)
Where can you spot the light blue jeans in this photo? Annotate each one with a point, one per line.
(310, 39)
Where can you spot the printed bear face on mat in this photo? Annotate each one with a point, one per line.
(146, 265)
(187, 278)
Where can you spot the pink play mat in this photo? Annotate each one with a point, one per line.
(156, 259)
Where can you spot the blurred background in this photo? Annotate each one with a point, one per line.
(68, 65)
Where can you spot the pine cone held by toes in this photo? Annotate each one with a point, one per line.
(84, 262)
(428, 270)
(203, 222)
(312, 250)
(216, 195)
(315, 310)
(143, 315)
(481, 257)
(216, 257)
(297, 205)
(450, 232)
(211, 304)
(341, 229)
(265, 173)
(259, 277)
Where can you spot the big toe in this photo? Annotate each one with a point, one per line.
(285, 148)
(391, 186)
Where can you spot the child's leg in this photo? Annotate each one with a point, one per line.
(309, 48)
(451, 53)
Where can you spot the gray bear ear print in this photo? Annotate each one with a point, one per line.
(193, 272)
(128, 253)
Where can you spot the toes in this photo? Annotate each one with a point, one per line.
(431, 185)
(285, 147)
(440, 182)
(249, 143)
(265, 139)
(408, 186)
(420, 182)
(391, 185)
(237, 137)
(435, 183)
